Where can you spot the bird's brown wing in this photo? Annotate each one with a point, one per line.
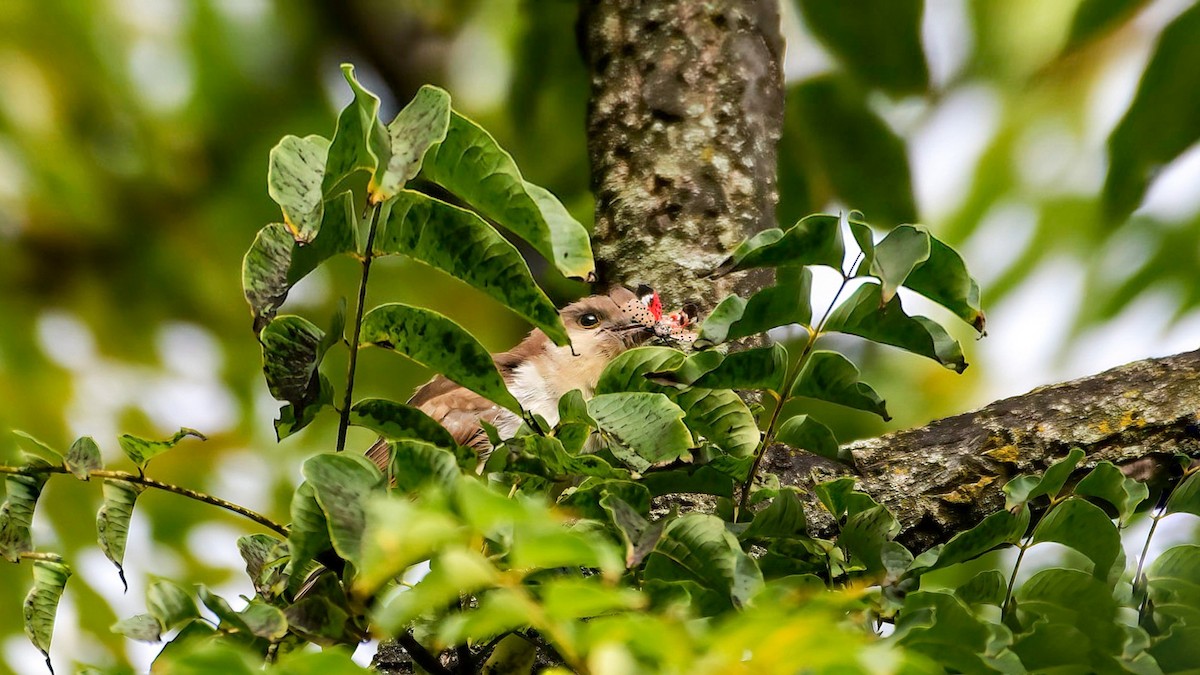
(456, 408)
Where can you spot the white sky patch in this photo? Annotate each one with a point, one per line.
(944, 152)
(478, 67)
(189, 350)
(244, 477)
(215, 545)
(1173, 197)
(245, 12)
(1129, 336)
(1051, 160)
(1113, 91)
(803, 55)
(161, 73)
(66, 340)
(948, 39)
(1027, 329)
(1003, 234)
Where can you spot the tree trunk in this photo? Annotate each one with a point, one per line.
(685, 115)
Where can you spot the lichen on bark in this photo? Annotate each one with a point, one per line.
(685, 115)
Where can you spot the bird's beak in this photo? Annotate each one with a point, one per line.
(633, 334)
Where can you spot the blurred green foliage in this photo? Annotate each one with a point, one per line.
(133, 144)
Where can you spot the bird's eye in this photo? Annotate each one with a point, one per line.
(589, 320)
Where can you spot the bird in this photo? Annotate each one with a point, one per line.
(539, 372)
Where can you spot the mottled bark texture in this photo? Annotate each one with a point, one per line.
(685, 115)
(945, 477)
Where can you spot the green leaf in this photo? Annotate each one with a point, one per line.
(1162, 121)
(416, 464)
(831, 131)
(691, 369)
(1096, 17)
(647, 427)
(168, 602)
(83, 457)
(804, 433)
(829, 376)
(461, 244)
(996, 530)
(141, 450)
(41, 604)
(265, 556)
(571, 598)
(276, 261)
(640, 536)
(257, 618)
(38, 445)
(436, 342)
(866, 315)
(295, 416)
(500, 611)
(513, 655)
(452, 574)
(1071, 598)
(470, 164)
(865, 534)
(318, 620)
(627, 371)
(940, 626)
(292, 349)
(558, 464)
(760, 368)
(834, 495)
(1024, 489)
(397, 421)
(987, 588)
(1106, 482)
(1179, 650)
(422, 123)
(572, 409)
(16, 514)
(785, 303)
(294, 176)
(944, 279)
(783, 517)
(308, 534)
(399, 534)
(879, 41)
(814, 240)
(1185, 498)
(897, 255)
(140, 627)
(112, 521)
(697, 548)
(1084, 527)
(864, 236)
(341, 484)
(361, 142)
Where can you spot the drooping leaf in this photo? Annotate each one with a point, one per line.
(805, 433)
(316, 619)
(879, 41)
(398, 421)
(1074, 599)
(294, 177)
(697, 548)
(461, 244)
(16, 514)
(787, 302)
(308, 534)
(760, 368)
(83, 457)
(112, 521)
(813, 240)
(640, 535)
(1083, 527)
(276, 261)
(829, 376)
(257, 618)
(422, 123)
(1108, 483)
(1186, 496)
(572, 598)
(647, 427)
(41, 604)
(141, 450)
(897, 255)
(291, 347)
(264, 556)
(168, 602)
(558, 464)
(864, 236)
(830, 126)
(998, 529)
(295, 416)
(784, 517)
(342, 483)
(1023, 489)
(474, 167)
(438, 343)
(866, 315)
(361, 142)
(140, 627)
(1162, 121)
(944, 279)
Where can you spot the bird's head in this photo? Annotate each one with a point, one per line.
(603, 326)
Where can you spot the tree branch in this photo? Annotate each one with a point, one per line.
(685, 115)
(944, 477)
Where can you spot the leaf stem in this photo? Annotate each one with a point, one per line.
(159, 485)
(368, 255)
(1012, 580)
(788, 384)
(1139, 579)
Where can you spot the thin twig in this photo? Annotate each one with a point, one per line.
(159, 485)
(368, 255)
(1012, 580)
(419, 654)
(1138, 579)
